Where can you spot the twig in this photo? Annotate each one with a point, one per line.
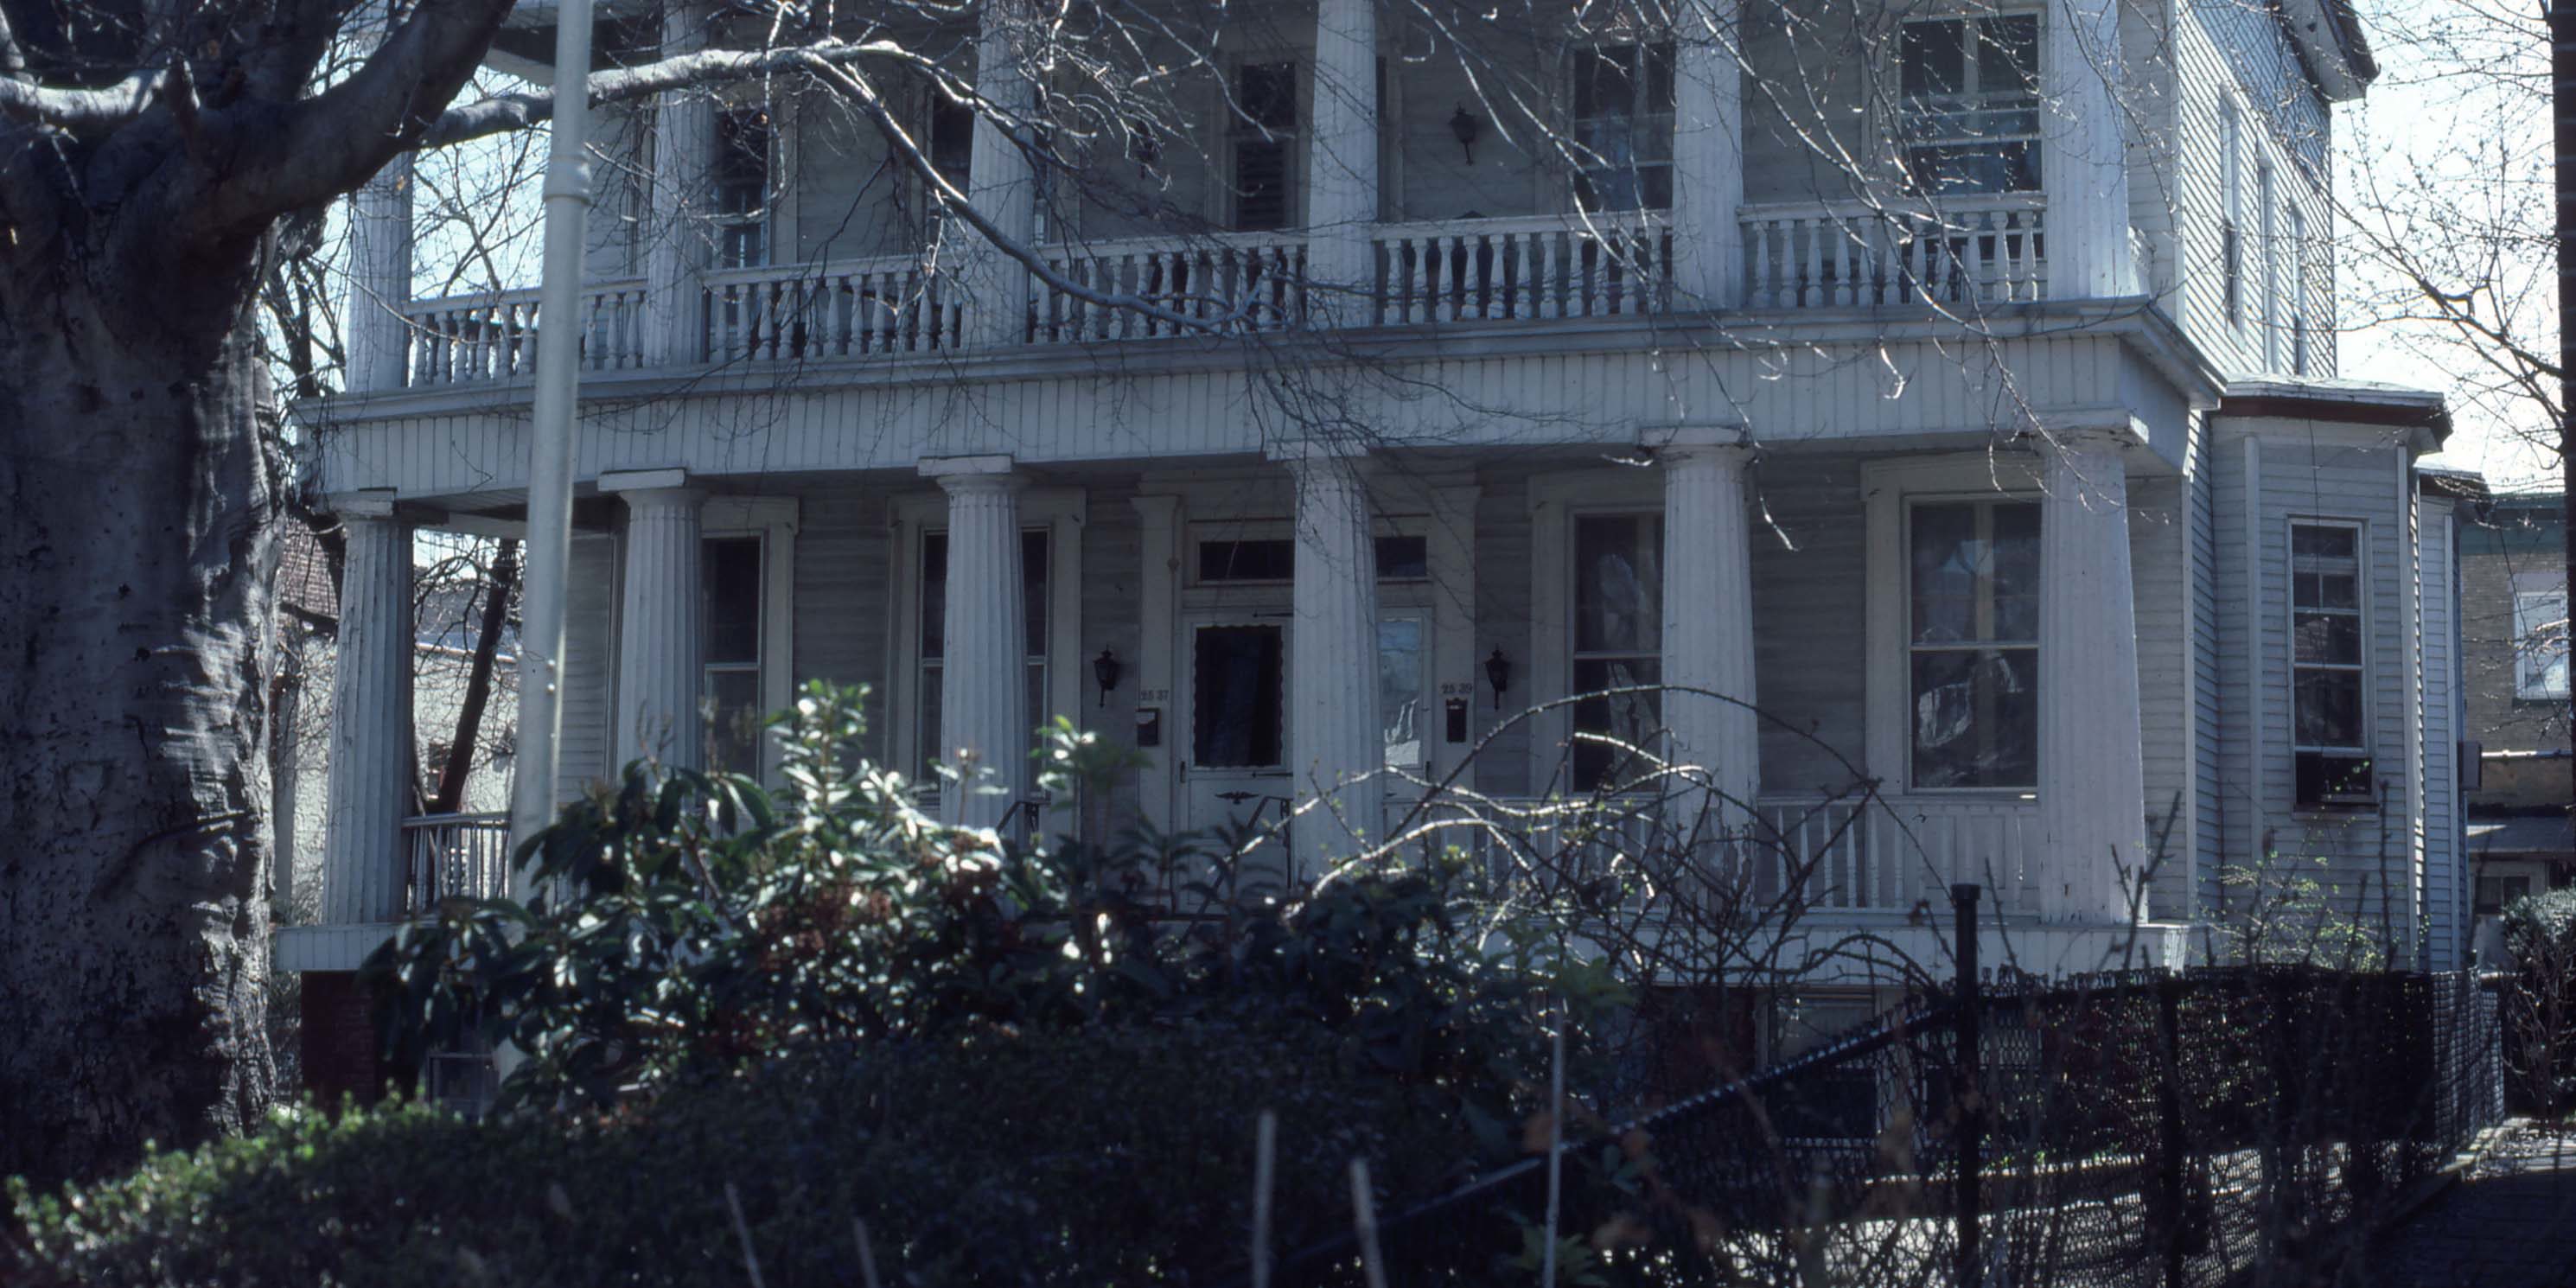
(1364, 1219)
(1265, 1149)
(867, 1255)
(750, 1259)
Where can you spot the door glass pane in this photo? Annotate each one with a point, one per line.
(729, 590)
(1399, 689)
(1976, 718)
(1618, 584)
(1628, 719)
(1236, 698)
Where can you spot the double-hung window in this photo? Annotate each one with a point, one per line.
(2231, 211)
(2326, 669)
(934, 635)
(2264, 192)
(740, 187)
(1265, 145)
(1618, 595)
(1972, 572)
(731, 574)
(1971, 103)
(2540, 645)
(1623, 127)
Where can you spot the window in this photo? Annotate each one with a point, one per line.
(948, 134)
(2264, 193)
(1972, 590)
(1623, 127)
(1971, 103)
(1240, 696)
(2231, 238)
(2298, 292)
(1400, 648)
(731, 573)
(1265, 145)
(2540, 645)
(934, 635)
(1399, 558)
(2495, 894)
(1618, 640)
(2326, 672)
(741, 188)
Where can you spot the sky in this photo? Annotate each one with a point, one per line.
(2437, 123)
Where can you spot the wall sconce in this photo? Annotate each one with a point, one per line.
(1465, 125)
(1498, 673)
(1105, 668)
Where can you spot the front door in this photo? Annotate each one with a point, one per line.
(1235, 764)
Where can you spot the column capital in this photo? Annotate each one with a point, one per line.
(973, 475)
(643, 480)
(367, 503)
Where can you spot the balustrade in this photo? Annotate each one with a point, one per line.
(799, 312)
(1550, 267)
(1232, 282)
(494, 336)
(1848, 255)
(454, 856)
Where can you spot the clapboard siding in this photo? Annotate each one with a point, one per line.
(1504, 622)
(2440, 702)
(1810, 582)
(1112, 608)
(2208, 809)
(2157, 564)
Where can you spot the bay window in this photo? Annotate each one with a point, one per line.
(1618, 597)
(2326, 668)
(1972, 642)
(1971, 103)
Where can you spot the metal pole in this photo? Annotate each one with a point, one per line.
(2562, 75)
(1968, 1197)
(550, 464)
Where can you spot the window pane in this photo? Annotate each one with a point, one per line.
(1403, 558)
(1630, 718)
(931, 751)
(1618, 583)
(1236, 699)
(1399, 689)
(2333, 638)
(1269, 559)
(1039, 716)
(2008, 55)
(952, 139)
(729, 596)
(2329, 704)
(1267, 92)
(733, 727)
(2325, 590)
(2016, 563)
(1976, 718)
(1033, 590)
(1949, 565)
(2324, 542)
(934, 595)
(1935, 59)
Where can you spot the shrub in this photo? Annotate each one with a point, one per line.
(2540, 1001)
(1033, 1157)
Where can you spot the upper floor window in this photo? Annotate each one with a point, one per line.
(2540, 645)
(2326, 668)
(948, 133)
(2231, 211)
(740, 187)
(1265, 145)
(1973, 591)
(1971, 110)
(1623, 127)
(1618, 642)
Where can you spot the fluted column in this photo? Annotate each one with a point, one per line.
(1001, 181)
(1708, 154)
(2092, 796)
(380, 249)
(659, 677)
(983, 691)
(2083, 152)
(1341, 159)
(1708, 621)
(1336, 740)
(678, 242)
(369, 787)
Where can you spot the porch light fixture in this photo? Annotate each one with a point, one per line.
(1498, 673)
(1465, 125)
(1105, 668)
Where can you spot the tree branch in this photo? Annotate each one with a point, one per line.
(505, 112)
(80, 109)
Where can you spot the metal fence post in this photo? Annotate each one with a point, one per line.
(1970, 1090)
(2169, 1127)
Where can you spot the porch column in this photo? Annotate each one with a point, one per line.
(984, 722)
(1341, 161)
(380, 247)
(1708, 155)
(1708, 620)
(1336, 741)
(1001, 181)
(678, 243)
(2083, 152)
(369, 786)
(2092, 797)
(658, 631)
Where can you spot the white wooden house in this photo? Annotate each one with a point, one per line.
(2015, 474)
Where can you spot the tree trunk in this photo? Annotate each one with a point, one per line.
(137, 504)
(497, 586)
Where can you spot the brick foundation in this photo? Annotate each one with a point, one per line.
(339, 1040)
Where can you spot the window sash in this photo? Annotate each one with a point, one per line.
(1622, 106)
(1614, 644)
(2540, 654)
(1972, 678)
(734, 708)
(2330, 624)
(1981, 134)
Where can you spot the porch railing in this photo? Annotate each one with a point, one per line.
(1553, 266)
(454, 856)
(493, 336)
(1988, 249)
(1236, 281)
(1834, 854)
(796, 312)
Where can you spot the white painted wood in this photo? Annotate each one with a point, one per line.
(984, 725)
(1456, 668)
(2085, 154)
(1335, 733)
(1341, 159)
(1708, 152)
(2092, 804)
(1708, 627)
(678, 243)
(369, 789)
(1001, 182)
(1158, 581)
(2444, 875)
(660, 628)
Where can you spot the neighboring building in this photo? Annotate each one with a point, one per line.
(2019, 481)
(2513, 583)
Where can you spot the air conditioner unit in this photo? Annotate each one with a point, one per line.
(2334, 780)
